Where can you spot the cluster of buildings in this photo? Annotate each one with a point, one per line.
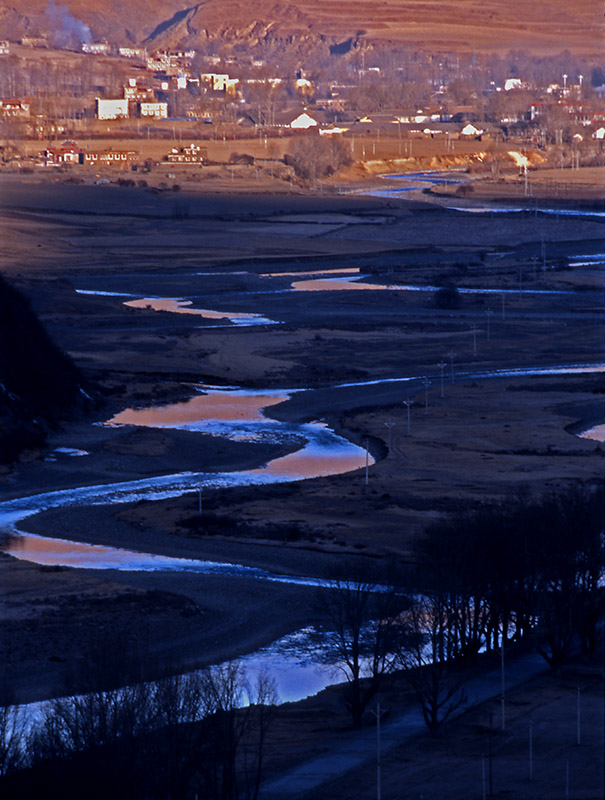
(70, 153)
(137, 101)
(14, 109)
(248, 94)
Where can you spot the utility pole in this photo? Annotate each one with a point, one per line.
(525, 172)
(199, 495)
(474, 330)
(408, 403)
(378, 754)
(451, 354)
(367, 463)
(488, 314)
(390, 425)
(442, 365)
(503, 308)
(426, 383)
(502, 678)
(578, 737)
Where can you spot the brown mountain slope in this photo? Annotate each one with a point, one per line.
(483, 25)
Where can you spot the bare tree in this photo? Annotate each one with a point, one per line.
(179, 744)
(424, 656)
(237, 714)
(361, 636)
(204, 731)
(12, 740)
(94, 739)
(313, 157)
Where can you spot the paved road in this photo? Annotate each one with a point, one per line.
(359, 748)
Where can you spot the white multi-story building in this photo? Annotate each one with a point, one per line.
(157, 110)
(132, 52)
(112, 108)
(97, 48)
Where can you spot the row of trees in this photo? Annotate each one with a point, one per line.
(527, 568)
(524, 572)
(196, 734)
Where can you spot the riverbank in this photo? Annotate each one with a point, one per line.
(482, 441)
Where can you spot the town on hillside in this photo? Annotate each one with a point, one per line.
(131, 109)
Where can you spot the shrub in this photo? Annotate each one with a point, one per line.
(313, 157)
(447, 297)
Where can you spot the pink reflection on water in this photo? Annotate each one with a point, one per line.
(177, 305)
(340, 284)
(225, 406)
(597, 434)
(308, 464)
(66, 553)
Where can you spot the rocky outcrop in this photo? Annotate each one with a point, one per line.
(279, 24)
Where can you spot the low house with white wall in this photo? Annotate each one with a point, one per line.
(190, 154)
(471, 130)
(109, 158)
(298, 120)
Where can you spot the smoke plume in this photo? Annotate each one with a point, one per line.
(65, 29)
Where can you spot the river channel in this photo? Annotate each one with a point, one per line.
(237, 414)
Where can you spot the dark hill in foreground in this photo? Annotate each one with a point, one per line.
(39, 384)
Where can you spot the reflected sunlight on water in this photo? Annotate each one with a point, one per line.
(226, 406)
(597, 433)
(317, 460)
(179, 305)
(337, 284)
(232, 413)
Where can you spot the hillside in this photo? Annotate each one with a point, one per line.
(465, 25)
(39, 384)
